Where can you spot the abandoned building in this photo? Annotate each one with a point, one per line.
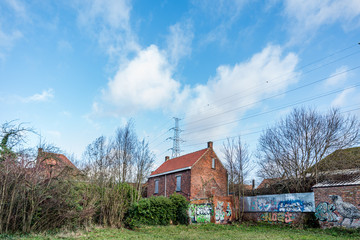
(55, 165)
(197, 175)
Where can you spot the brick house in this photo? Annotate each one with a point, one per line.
(54, 165)
(197, 175)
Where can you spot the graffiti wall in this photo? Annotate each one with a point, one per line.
(200, 213)
(292, 202)
(216, 210)
(338, 206)
(223, 212)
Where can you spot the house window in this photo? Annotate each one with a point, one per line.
(178, 183)
(213, 163)
(156, 186)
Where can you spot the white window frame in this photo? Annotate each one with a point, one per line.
(178, 184)
(156, 190)
(213, 163)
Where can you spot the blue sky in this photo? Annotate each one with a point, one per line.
(75, 70)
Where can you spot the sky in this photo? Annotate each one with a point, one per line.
(76, 70)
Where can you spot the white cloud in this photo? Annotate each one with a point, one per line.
(114, 13)
(46, 95)
(108, 21)
(342, 98)
(144, 83)
(246, 82)
(223, 13)
(179, 41)
(18, 7)
(339, 76)
(308, 16)
(7, 41)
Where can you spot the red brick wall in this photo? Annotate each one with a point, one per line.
(170, 184)
(327, 211)
(206, 181)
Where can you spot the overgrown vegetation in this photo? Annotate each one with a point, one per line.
(31, 200)
(158, 211)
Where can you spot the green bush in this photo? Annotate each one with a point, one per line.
(158, 211)
(181, 206)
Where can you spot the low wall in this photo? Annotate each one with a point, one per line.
(218, 209)
(278, 208)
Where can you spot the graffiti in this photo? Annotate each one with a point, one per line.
(228, 210)
(291, 202)
(266, 204)
(345, 209)
(325, 212)
(219, 213)
(291, 206)
(285, 217)
(200, 213)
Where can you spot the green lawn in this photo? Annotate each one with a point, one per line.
(206, 231)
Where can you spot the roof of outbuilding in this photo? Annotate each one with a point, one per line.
(339, 178)
(268, 181)
(181, 162)
(347, 158)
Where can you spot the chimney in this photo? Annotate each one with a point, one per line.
(167, 158)
(253, 184)
(40, 150)
(210, 144)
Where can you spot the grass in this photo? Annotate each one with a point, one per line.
(203, 231)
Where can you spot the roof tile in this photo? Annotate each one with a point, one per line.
(180, 162)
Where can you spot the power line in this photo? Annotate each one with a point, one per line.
(296, 69)
(278, 108)
(255, 132)
(291, 90)
(273, 96)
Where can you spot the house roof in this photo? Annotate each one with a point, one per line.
(339, 178)
(49, 158)
(267, 182)
(179, 163)
(340, 159)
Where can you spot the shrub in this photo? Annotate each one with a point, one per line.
(181, 206)
(158, 211)
(114, 202)
(151, 211)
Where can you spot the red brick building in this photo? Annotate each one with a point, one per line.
(197, 175)
(55, 165)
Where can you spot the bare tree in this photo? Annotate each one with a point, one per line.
(99, 160)
(301, 140)
(124, 149)
(229, 154)
(144, 160)
(238, 165)
(12, 136)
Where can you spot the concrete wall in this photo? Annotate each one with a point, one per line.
(206, 181)
(170, 184)
(338, 206)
